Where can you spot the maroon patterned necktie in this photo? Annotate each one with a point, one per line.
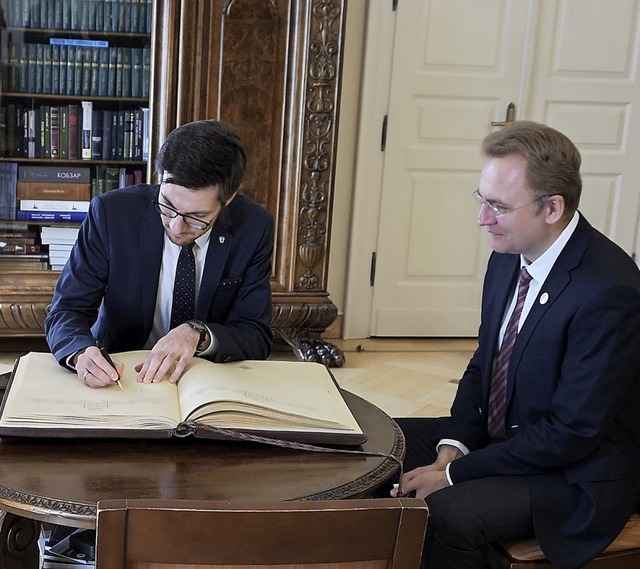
(184, 288)
(498, 394)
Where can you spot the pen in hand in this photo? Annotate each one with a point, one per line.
(107, 357)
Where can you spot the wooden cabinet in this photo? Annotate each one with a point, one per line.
(272, 69)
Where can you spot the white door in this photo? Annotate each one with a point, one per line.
(456, 66)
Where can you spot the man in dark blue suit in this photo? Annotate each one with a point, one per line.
(562, 461)
(117, 287)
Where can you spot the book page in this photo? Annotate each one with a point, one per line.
(264, 395)
(44, 394)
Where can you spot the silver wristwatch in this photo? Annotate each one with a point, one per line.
(202, 330)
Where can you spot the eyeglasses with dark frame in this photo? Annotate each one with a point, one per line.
(191, 221)
(498, 211)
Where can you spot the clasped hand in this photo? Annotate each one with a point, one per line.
(427, 479)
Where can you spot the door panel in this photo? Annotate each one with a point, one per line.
(456, 66)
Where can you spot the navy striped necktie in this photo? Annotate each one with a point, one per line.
(498, 394)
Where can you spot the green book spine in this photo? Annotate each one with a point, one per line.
(55, 69)
(76, 14)
(39, 67)
(134, 20)
(24, 15)
(113, 71)
(146, 71)
(95, 69)
(87, 73)
(119, 73)
(100, 15)
(66, 14)
(124, 13)
(107, 18)
(35, 15)
(92, 17)
(56, 22)
(71, 70)
(64, 132)
(21, 81)
(126, 72)
(84, 14)
(14, 67)
(46, 69)
(77, 85)
(103, 71)
(63, 66)
(136, 72)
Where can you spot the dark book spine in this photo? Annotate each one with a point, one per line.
(135, 16)
(32, 67)
(146, 71)
(66, 14)
(113, 151)
(126, 72)
(136, 72)
(76, 14)
(58, 20)
(55, 70)
(55, 132)
(103, 71)
(64, 132)
(96, 135)
(63, 67)
(113, 71)
(138, 121)
(107, 118)
(95, 70)
(18, 72)
(87, 73)
(39, 67)
(71, 70)
(74, 123)
(45, 136)
(46, 69)
(77, 74)
(120, 136)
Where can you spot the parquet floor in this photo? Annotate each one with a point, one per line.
(404, 377)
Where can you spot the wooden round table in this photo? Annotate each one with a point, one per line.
(61, 480)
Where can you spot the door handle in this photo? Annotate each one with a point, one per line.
(511, 116)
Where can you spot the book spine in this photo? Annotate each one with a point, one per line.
(31, 67)
(55, 70)
(87, 73)
(22, 70)
(64, 132)
(107, 121)
(31, 133)
(87, 111)
(54, 174)
(45, 133)
(51, 216)
(55, 132)
(74, 127)
(96, 135)
(47, 70)
(19, 249)
(54, 205)
(53, 191)
(39, 65)
(77, 72)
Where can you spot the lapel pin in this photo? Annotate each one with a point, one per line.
(544, 298)
(221, 238)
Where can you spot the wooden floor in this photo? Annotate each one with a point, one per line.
(404, 377)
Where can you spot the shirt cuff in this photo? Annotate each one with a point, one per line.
(214, 344)
(446, 471)
(462, 448)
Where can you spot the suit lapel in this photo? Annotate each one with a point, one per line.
(553, 287)
(220, 243)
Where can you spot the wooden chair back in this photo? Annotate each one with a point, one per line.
(346, 534)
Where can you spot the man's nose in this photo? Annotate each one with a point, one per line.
(486, 216)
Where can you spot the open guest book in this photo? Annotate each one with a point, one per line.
(295, 401)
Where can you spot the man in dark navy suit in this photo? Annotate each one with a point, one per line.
(117, 287)
(559, 459)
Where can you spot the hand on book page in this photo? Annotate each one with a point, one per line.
(299, 400)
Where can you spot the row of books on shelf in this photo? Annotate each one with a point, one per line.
(76, 67)
(30, 247)
(74, 132)
(46, 193)
(132, 16)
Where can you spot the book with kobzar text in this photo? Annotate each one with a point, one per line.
(296, 401)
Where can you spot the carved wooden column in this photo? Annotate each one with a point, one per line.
(272, 69)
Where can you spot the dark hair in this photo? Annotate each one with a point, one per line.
(201, 154)
(553, 161)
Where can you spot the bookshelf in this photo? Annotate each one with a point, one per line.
(279, 86)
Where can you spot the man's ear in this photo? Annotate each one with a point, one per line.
(555, 209)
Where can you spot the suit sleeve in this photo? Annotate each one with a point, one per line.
(80, 289)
